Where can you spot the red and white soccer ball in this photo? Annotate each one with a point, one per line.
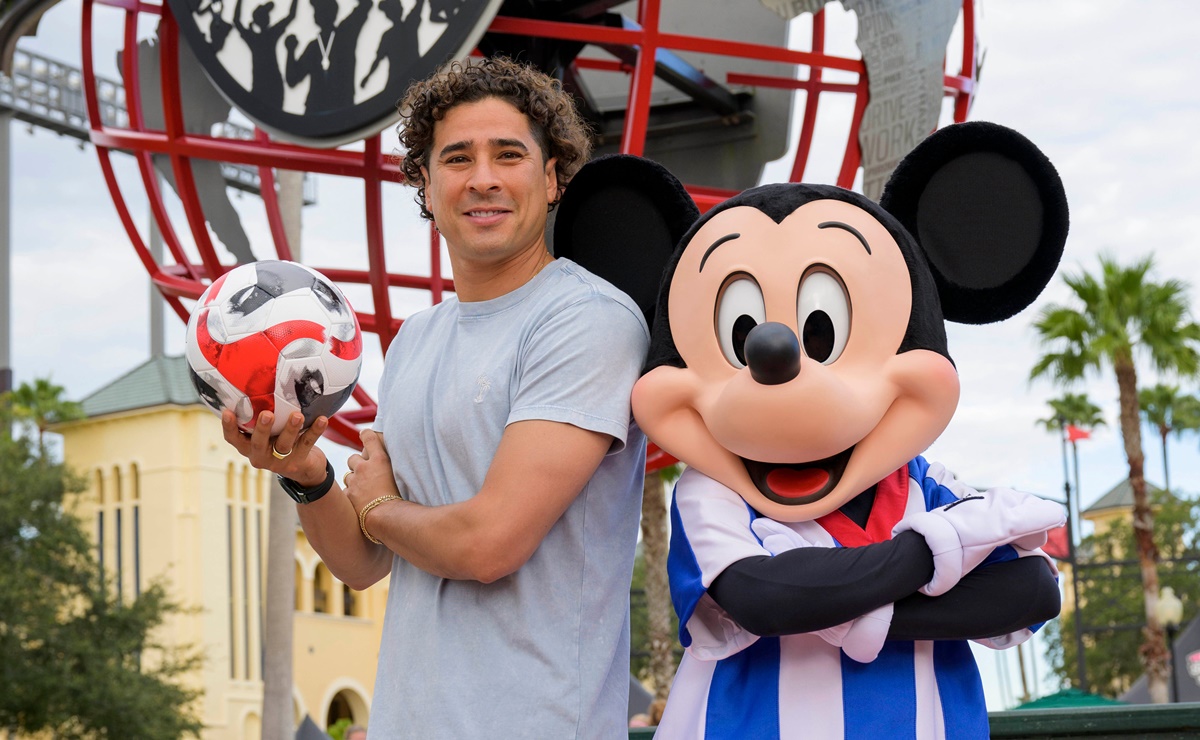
(274, 336)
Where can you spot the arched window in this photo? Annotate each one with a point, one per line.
(118, 533)
(347, 704)
(353, 602)
(135, 490)
(252, 725)
(339, 708)
(100, 501)
(322, 590)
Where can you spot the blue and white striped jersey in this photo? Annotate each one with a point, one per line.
(734, 684)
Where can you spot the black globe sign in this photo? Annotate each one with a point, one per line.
(326, 72)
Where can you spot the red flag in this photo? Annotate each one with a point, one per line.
(1074, 433)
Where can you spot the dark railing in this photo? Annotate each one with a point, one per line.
(1152, 721)
(1158, 721)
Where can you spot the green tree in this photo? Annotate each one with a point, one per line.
(1118, 317)
(1168, 411)
(337, 731)
(1112, 611)
(77, 662)
(40, 406)
(1075, 409)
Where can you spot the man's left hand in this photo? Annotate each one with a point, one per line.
(370, 473)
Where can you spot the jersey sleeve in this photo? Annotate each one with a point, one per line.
(710, 530)
(579, 366)
(941, 488)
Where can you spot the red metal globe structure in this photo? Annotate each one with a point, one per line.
(186, 277)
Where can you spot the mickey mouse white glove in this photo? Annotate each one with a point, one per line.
(963, 533)
(778, 537)
(861, 639)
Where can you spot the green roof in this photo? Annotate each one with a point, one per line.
(1069, 698)
(158, 381)
(1120, 497)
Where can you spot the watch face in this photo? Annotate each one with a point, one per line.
(289, 487)
(326, 72)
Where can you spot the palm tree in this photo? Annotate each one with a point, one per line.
(41, 406)
(658, 592)
(1124, 314)
(1168, 411)
(1075, 409)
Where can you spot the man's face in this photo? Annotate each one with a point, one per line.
(487, 184)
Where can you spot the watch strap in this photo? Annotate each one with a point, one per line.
(302, 495)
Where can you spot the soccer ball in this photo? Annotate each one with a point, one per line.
(273, 336)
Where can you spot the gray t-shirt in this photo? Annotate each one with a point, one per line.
(543, 652)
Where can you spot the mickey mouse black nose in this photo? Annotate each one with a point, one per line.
(773, 353)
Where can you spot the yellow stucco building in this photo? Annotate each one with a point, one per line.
(168, 498)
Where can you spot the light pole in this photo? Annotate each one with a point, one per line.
(1170, 613)
(1072, 554)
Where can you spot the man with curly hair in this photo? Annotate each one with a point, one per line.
(500, 490)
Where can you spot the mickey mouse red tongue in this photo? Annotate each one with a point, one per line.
(792, 483)
(798, 483)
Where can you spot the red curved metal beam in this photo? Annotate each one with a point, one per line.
(270, 198)
(92, 103)
(185, 183)
(673, 41)
(150, 179)
(811, 101)
(437, 284)
(376, 260)
(962, 103)
(637, 108)
(853, 156)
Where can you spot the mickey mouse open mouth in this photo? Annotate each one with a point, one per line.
(794, 484)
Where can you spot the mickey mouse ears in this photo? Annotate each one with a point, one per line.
(620, 218)
(989, 211)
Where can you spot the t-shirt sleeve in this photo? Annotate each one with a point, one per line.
(578, 367)
(385, 378)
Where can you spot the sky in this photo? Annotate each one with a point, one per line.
(1105, 88)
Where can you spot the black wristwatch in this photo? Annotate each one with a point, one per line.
(308, 495)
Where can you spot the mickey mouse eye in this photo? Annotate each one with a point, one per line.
(740, 308)
(823, 313)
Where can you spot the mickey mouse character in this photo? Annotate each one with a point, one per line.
(826, 576)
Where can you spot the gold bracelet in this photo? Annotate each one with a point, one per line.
(362, 516)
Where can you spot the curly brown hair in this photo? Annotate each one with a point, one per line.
(555, 123)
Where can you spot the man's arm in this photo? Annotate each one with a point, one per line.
(538, 470)
(330, 522)
(569, 404)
